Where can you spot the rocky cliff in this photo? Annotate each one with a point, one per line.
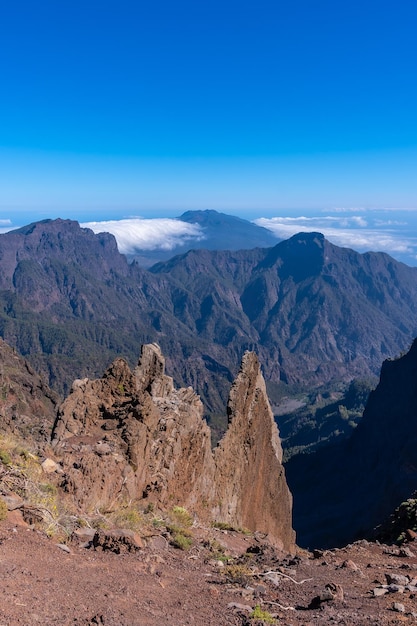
(27, 405)
(343, 492)
(132, 436)
(249, 473)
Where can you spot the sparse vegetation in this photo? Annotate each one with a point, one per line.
(181, 541)
(263, 616)
(5, 457)
(223, 526)
(128, 517)
(182, 516)
(178, 527)
(237, 573)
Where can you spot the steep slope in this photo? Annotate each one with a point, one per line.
(249, 475)
(312, 311)
(27, 405)
(343, 493)
(134, 437)
(71, 303)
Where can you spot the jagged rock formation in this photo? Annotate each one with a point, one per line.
(248, 459)
(27, 405)
(133, 436)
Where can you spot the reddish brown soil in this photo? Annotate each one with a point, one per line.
(161, 585)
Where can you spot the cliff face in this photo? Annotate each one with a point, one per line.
(27, 405)
(249, 475)
(342, 493)
(133, 436)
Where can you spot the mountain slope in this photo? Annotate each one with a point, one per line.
(27, 405)
(343, 492)
(313, 312)
(312, 309)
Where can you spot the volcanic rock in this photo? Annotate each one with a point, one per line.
(249, 472)
(131, 436)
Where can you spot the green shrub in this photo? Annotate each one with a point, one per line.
(239, 574)
(181, 541)
(182, 516)
(128, 518)
(263, 616)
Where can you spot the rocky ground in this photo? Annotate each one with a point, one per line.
(128, 580)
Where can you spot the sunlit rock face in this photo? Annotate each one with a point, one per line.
(133, 436)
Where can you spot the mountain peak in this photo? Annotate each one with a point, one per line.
(210, 217)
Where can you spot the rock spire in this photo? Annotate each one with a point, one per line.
(133, 436)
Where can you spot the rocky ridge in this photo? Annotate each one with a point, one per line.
(131, 436)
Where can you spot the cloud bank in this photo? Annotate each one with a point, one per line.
(348, 231)
(134, 234)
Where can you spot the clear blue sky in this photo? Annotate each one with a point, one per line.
(111, 109)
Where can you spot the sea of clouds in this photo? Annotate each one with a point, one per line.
(137, 233)
(384, 230)
(351, 231)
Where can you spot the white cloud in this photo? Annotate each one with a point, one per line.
(348, 232)
(148, 234)
(6, 226)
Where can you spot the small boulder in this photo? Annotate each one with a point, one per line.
(379, 591)
(49, 466)
(118, 541)
(397, 579)
(13, 501)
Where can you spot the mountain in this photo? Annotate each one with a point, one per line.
(221, 232)
(227, 232)
(313, 311)
(341, 493)
(70, 303)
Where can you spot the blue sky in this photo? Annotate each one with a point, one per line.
(266, 109)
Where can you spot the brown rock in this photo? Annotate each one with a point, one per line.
(133, 436)
(118, 541)
(250, 479)
(13, 501)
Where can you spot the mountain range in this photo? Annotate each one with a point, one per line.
(313, 312)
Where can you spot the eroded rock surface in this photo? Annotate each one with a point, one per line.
(132, 436)
(250, 479)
